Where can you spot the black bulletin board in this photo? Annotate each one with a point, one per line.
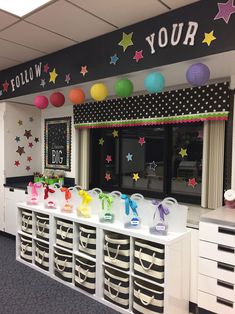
(58, 143)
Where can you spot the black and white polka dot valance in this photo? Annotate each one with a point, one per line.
(210, 102)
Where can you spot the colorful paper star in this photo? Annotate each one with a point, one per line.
(107, 176)
(67, 78)
(29, 158)
(183, 152)
(126, 41)
(31, 119)
(27, 134)
(36, 139)
(108, 158)
(101, 141)
(135, 176)
(84, 70)
(5, 86)
(225, 11)
(209, 37)
(192, 182)
(27, 168)
(129, 157)
(141, 141)
(20, 150)
(114, 59)
(20, 122)
(17, 139)
(17, 163)
(53, 76)
(153, 165)
(138, 55)
(45, 68)
(30, 145)
(43, 83)
(115, 133)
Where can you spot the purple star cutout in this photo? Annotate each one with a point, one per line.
(225, 11)
(67, 78)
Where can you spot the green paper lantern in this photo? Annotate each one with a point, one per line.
(123, 88)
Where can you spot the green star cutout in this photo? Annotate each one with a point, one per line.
(126, 41)
(101, 141)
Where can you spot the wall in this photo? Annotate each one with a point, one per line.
(65, 111)
(18, 119)
(233, 147)
(2, 109)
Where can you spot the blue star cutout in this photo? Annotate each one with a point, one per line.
(129, 157)
(114, 59)
(17, 139)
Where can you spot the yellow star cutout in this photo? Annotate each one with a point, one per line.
(209, 37)
(101, 141)
(53, 76)
(183, 152)
(126, 41)
(115, 133)
(136, 176)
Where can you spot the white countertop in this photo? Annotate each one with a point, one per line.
(223, 216)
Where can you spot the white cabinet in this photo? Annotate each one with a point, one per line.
(129, 270)
(12, 197)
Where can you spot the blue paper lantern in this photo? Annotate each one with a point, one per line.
(154, 82)
(198, 74)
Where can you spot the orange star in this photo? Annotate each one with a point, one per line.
(84, 70)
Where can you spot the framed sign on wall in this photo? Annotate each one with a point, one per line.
(58, 143)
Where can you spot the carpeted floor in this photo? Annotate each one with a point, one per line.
(25, 291)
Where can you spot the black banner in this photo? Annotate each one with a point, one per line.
(193, 31)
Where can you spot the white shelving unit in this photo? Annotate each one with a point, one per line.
(176, 257)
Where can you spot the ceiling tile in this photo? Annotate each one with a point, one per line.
(17, 52)
(177, 4)
(123, 12)
(7, 63)
(6, 19)
(35, 37)
(70, 21)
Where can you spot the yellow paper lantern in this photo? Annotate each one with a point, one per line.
(99, 91)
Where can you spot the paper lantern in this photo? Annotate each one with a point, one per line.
(123, 88)
(76, 95)
(198, 74)
(154, 82)
(41, 102)
(57, 99)
(99, 91)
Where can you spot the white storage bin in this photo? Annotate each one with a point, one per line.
(26, 222)
(116, 287)
(148, 298)
(64, 233)
(117, 250)
(26, 249)
(85, 272)
(149, 260)
(42, 255)
(42, 227)
(63, 265)
(87, 240)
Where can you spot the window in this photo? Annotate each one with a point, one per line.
(156, 161)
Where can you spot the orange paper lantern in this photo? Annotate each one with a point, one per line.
(76, 95)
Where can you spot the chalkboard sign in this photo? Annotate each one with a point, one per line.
(58, 143)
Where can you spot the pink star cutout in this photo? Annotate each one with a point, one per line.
(225, 11)
(107, 176)
(108, 158)
(138, 55)
(27, 168)
(45, 68)
(5, 86)
(17, 163)
(192, 182)
(84, 70)
(29, 158)
(31, 145)
(141, 141)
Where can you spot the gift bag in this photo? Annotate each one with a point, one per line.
(106, 214)
(132, 219)
(159, 225)
(35, 193)
(49, 197)
(83, 208)
(67, 204)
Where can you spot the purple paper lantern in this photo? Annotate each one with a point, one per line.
(41, 102)
(198, 74)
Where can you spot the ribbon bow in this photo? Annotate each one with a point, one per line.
(129, 203)
(106, 198)
(86, 198)
(163, 209)
(67, 193)
(34, 187)
(47, 190)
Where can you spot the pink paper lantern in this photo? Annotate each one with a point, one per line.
(57, 99)
(41, 102)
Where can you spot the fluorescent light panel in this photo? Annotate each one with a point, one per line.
(21, 7)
